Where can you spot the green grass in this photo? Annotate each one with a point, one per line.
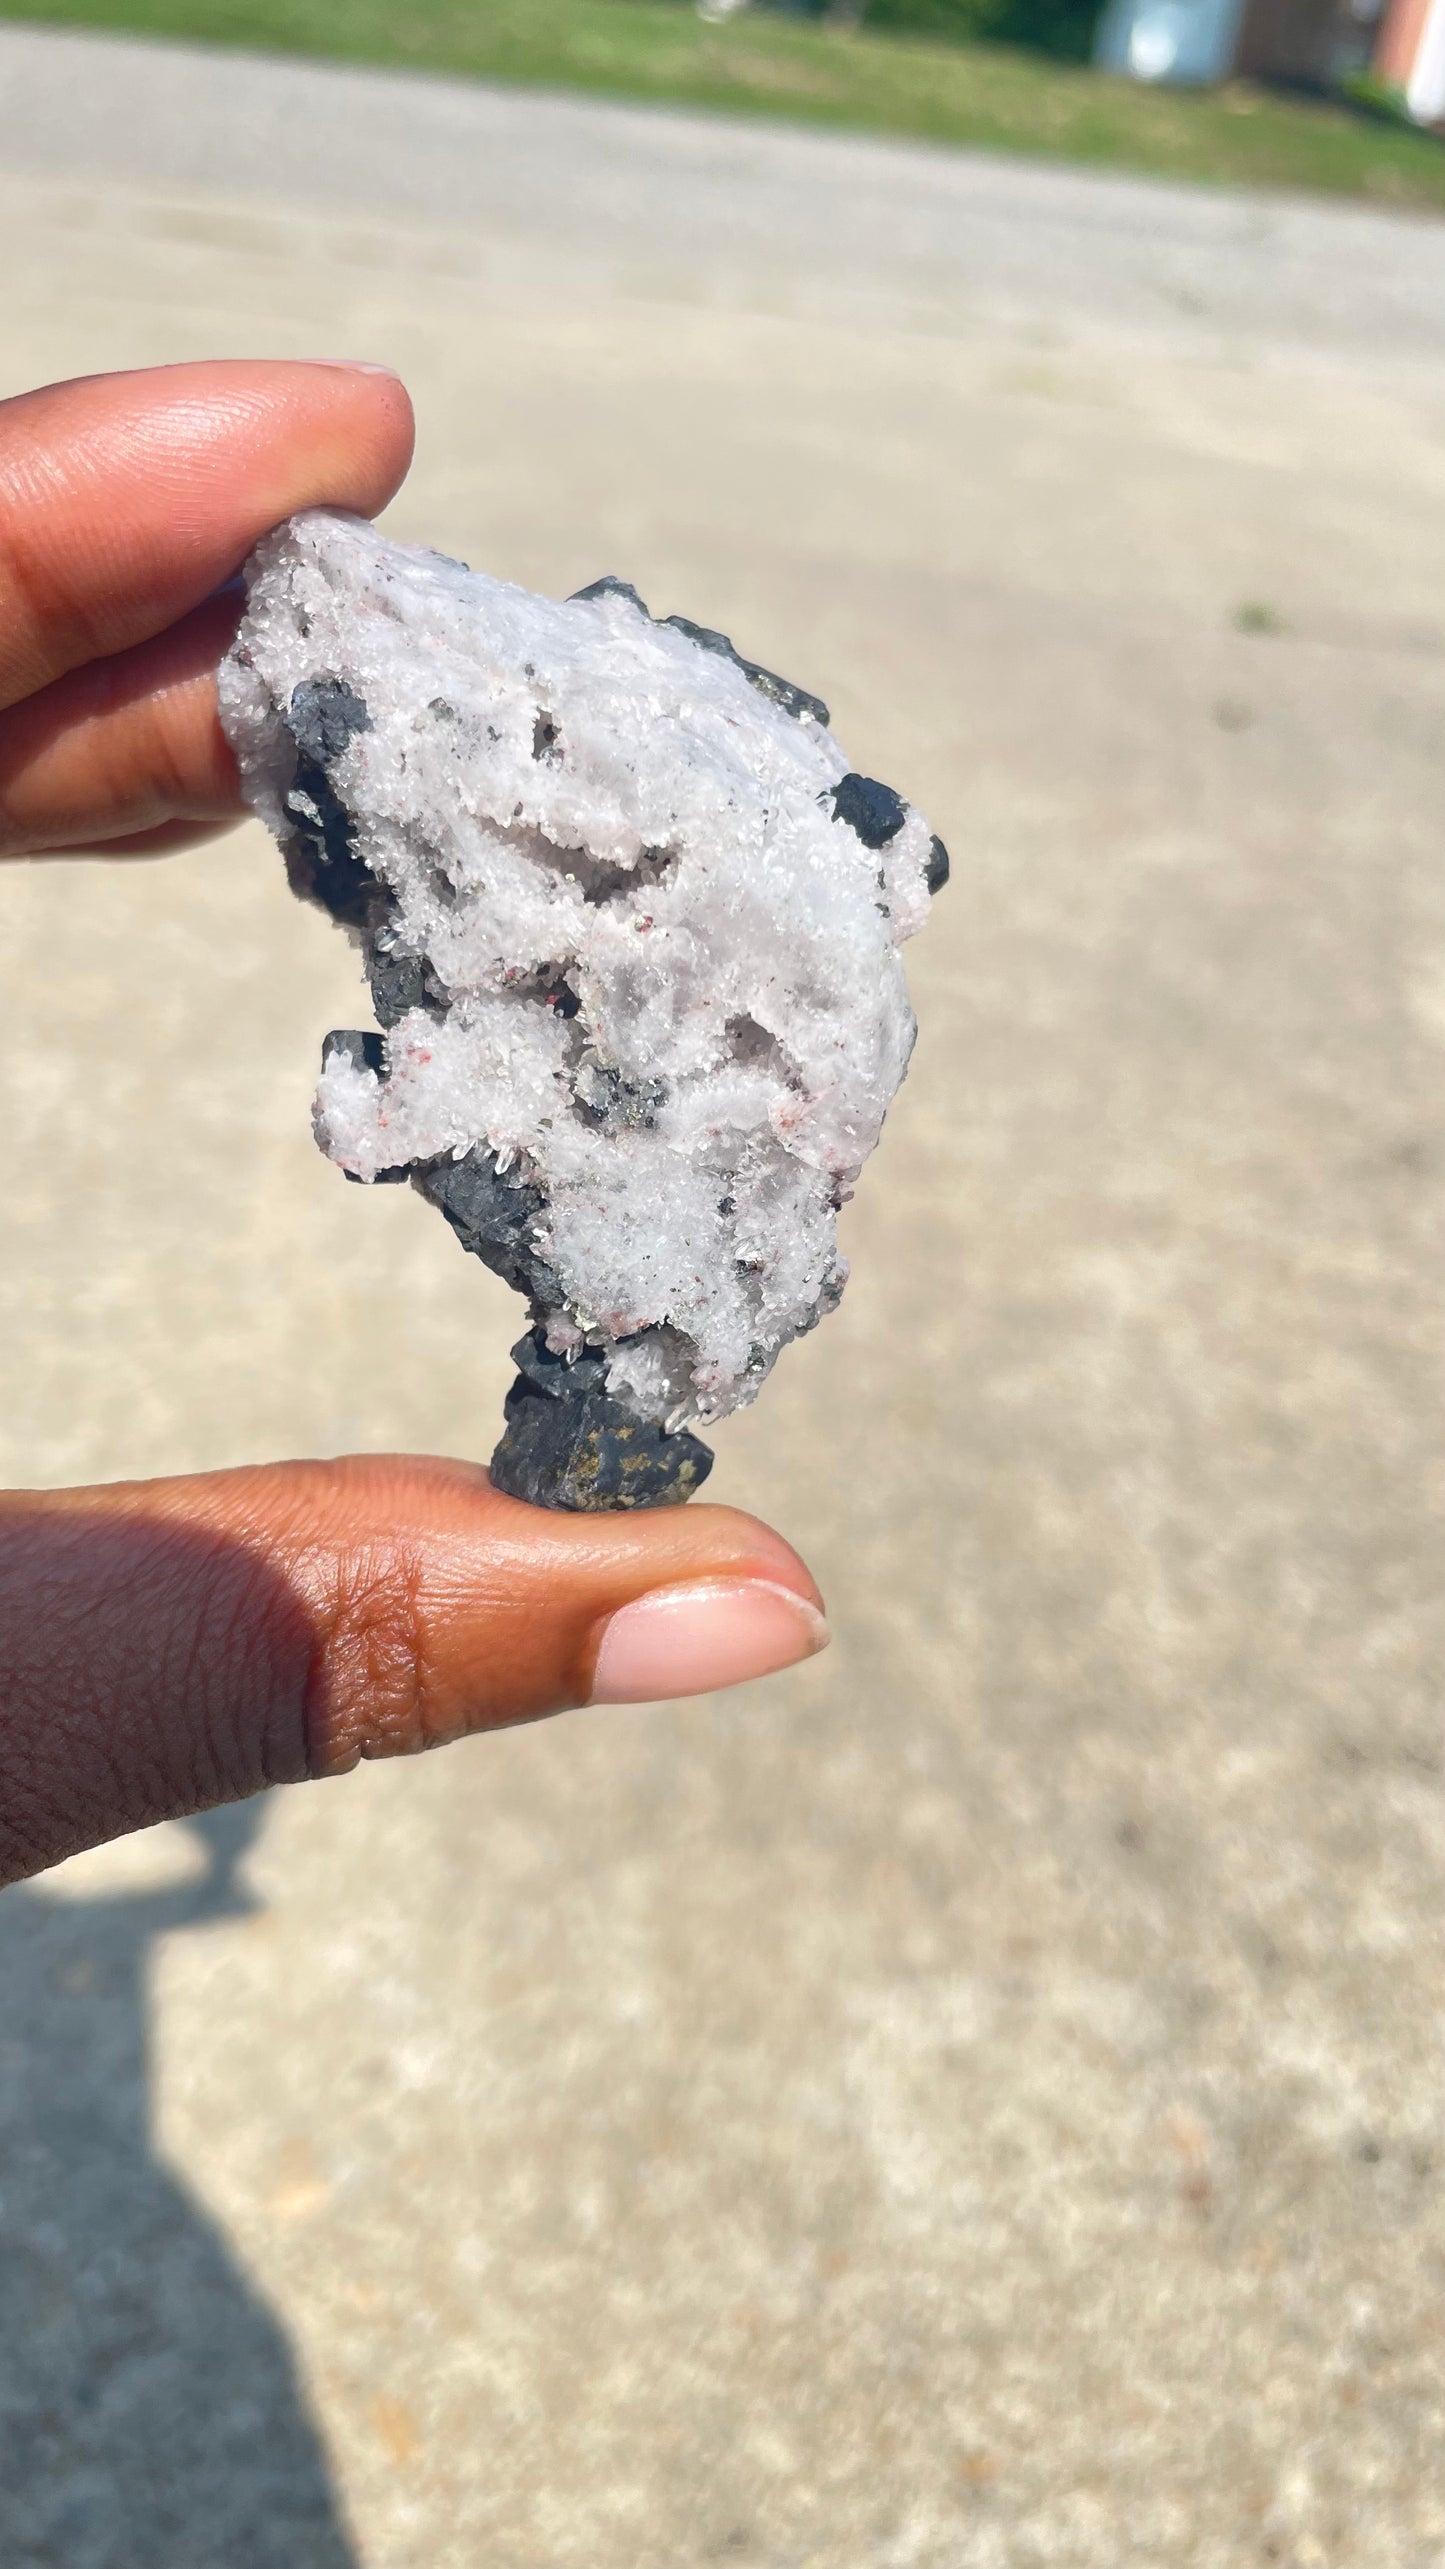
(977, 94)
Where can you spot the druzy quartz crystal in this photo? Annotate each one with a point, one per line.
(632, 930)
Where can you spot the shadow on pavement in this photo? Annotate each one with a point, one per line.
(151, 2416)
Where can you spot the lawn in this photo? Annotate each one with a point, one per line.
(984, 95)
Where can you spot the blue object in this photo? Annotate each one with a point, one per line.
(1169, 40)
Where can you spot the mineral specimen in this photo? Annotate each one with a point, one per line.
(631, 926)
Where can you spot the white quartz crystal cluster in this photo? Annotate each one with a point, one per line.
(632, 929)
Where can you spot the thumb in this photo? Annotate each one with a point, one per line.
(167, 1645)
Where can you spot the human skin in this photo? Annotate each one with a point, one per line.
(167, 1645)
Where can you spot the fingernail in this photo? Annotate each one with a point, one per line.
(691, 1639)
(355, 366)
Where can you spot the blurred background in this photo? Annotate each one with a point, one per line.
(964, 2105)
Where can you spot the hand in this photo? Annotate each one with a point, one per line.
(168, 1645)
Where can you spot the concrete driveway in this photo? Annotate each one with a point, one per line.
(969, 2105)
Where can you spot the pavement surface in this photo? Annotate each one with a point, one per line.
(970, 2104)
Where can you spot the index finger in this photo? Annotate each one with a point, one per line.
(126, 499)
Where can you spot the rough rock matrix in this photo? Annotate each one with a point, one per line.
(631, 927)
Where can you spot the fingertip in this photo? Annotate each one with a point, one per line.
(649, 1547)
(129, 498)
(700, 1636)
(499, 1611)
(380, 399)
(322, 432)
(661, 1602)
(768, 1554)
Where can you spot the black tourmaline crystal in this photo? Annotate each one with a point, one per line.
(569, 1444)
(873, 810)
